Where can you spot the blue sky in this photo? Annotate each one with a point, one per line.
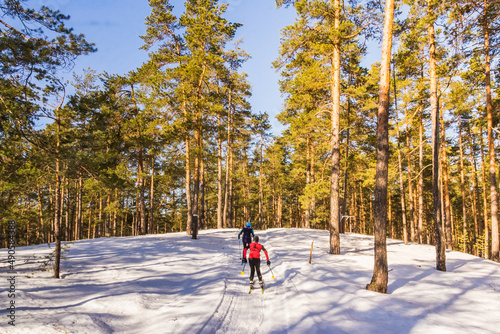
(115, 26)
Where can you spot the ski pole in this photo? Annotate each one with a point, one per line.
(271, 270)
(243, 270)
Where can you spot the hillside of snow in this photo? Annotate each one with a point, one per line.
(172, 284)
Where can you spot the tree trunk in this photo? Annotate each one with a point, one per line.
(313, 180)
(357, 212)
(462, 186)
(219, 176)
(446, 191)
(227, 210)
(65, 208)
(90, 220)
(196, 190)
(115, 212)
(231, 214)
(188, 189)
(280, 209)
(362, 221)
(141, 193)
(335, 131)
(495, 242)
(57, 206)
(261, 190)
(246, 188)
(201, 221)
(485, 201)
(152, 197)
(420, 178)
(400, 167)
(436, 177)
(135, 227)
(307, 210)
(473, 193)
(101, 221)
(410, 183)
(78, 232)
(343, 218)
(380, 270)
(40, 215)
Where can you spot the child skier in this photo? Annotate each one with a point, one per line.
(254, 260)
(247, 235)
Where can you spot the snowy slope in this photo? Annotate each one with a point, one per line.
(172, 284)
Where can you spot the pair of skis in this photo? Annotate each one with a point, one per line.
(251, 288)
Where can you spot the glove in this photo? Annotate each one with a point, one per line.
(268, 263)
(238, 237)
(244, 260)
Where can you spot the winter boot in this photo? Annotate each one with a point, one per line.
(251, 284)
(261, 283)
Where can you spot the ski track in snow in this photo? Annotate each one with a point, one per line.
(172, 284)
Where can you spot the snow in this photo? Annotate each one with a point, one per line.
(170, 283)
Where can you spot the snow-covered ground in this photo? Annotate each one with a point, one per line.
(172, 284)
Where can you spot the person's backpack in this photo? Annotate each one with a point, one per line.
(247, 235)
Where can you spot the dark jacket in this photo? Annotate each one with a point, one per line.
(247, 234)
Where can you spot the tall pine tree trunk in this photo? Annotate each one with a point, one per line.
(307, 210)
(313, 180)
(400, 167)
(79, 217)
(115, 212)
(335, 131)
(57, 205)
(410, 183)
(462, 187)
(40, 229)
(420, 178)
(436, 177)
(229, 149)
(495, 242)
(189, 220)
(261, 189)
(446, 191)
(473, 193)
(380, 270)
(362, 227)
(485, 201)
(280, 209)
(151, 197)
(197, 175)
(141, 185)
(344, 217)
(201, 221)
(246, 188)
(231, 215)
(219, 175)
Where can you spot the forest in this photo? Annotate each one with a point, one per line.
(403, 148)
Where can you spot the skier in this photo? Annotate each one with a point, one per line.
(247, 239)
(254, 260)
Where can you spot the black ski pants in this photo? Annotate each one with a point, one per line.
(254, 266)
(246, 245)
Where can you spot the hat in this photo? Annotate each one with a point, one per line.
(249, 224)
(256, 238)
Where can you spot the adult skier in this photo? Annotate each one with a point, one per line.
(254, 260)
(247, 235)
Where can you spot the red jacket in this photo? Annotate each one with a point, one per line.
(255, 249)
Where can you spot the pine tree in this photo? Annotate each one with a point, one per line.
(380, 271)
